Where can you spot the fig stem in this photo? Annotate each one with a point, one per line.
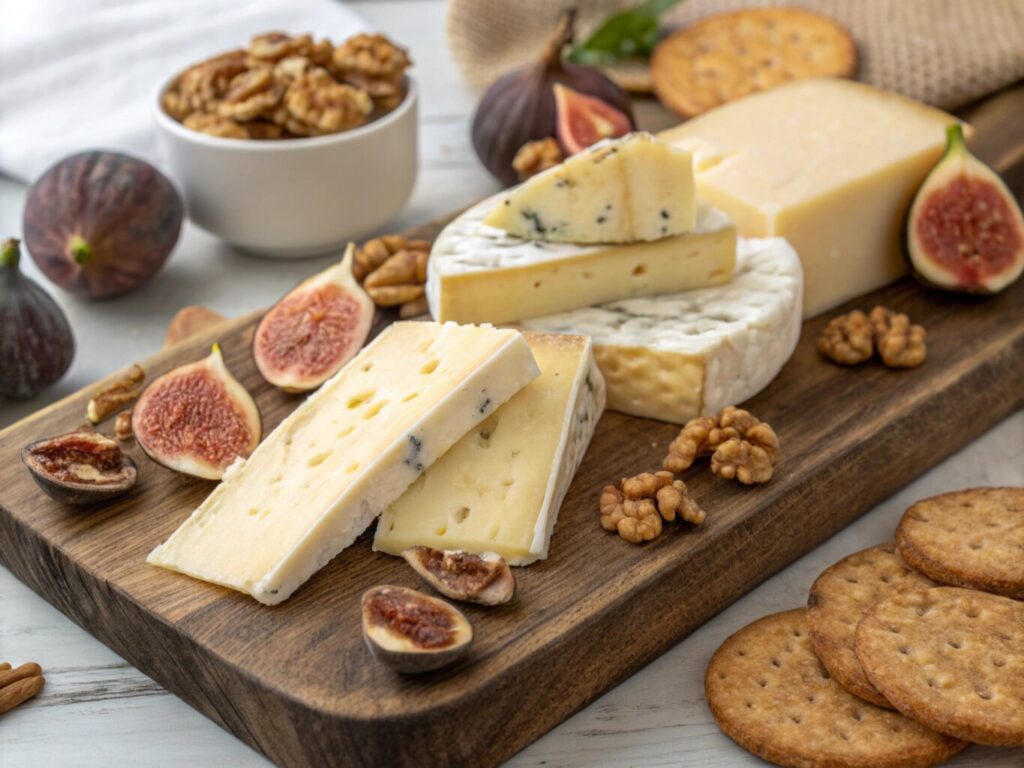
(10, 252)
(954, 137)
(560, 38)
(79, 249)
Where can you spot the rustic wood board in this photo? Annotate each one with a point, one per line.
(295, 681)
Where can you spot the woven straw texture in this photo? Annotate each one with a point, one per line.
(944, 52)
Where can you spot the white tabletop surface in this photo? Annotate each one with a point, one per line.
(97, 710)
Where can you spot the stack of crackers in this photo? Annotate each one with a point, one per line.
(905, 654)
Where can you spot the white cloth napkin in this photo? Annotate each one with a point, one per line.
(83, 74)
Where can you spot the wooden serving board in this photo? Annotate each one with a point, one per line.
(295, 681)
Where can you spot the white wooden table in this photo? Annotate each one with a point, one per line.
(97, 710)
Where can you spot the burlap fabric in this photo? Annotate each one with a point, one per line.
(944, 52)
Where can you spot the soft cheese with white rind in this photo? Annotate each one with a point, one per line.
(351, 449)
(680, 356)
(478, 273)
(499, 489)
(625, 190)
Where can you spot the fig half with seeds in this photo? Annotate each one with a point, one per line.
(485, 579)
(80, 467)
(412, 632)
(964, 229)
(197, 419)
(314, 330)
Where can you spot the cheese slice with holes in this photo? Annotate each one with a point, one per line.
(499, 489)
(624, 190)
(481, 274)
(679, 356)
(350, 450)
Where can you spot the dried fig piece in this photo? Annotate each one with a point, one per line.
(412, 632)
(197, 419)
(80, 467)
(485, 579)
(314, 330)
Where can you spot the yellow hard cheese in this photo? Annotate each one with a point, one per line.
(617, 191)
(499, 488)
(350, 450)
(830, 165)
(481, 274)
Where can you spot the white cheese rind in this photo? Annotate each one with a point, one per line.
(478, 273)
(624, 190)
(353, 447)
(675, 357)
(499, 489)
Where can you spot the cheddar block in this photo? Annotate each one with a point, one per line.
(500, 487)
(480, 274)
(350, 450)
(624, 190)
(830, 165)
(683, 355)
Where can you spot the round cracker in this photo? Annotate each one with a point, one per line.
(839, 598)
(950, 658)
(770, 694)
(972, 538)
(730, 55)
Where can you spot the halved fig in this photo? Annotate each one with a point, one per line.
(583, 120)
(964, 229)
(80, 467)
(485, 579)
(412, 632)
(314, 330)
(197, 419)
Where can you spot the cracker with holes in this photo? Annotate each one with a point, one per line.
(839, 598)
(972, 538)
(730, 55)
(770, 694)
(950, 658)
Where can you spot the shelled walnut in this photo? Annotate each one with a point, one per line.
(847, 339)
(636, 507)
(741, 446)
(285, 86)
(536, 156)
(852, 338)
(117, 395)
(393, 270)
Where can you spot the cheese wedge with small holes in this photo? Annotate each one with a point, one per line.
(499, 489)
(344, 455)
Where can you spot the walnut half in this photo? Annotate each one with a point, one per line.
(847, 339)
(900, 343)
(741, 446)
(638, 505)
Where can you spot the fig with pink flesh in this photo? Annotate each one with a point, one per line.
(314, 330)
(964, 229)
(36, 343)
(197, 419)
(100, 224)
(584, 120)
(80, 467)
(485, 579)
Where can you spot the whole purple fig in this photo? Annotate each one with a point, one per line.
(36, 344)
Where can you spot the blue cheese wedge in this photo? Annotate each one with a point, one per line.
(627, 190)
(347, 453)
(679, 356)
(500, 487)
(478, 273)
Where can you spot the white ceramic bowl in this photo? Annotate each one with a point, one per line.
(295, 197)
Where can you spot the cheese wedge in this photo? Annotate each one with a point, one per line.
(683, 355)
(480, 274)
(499, 489)
(351, 449)
(830, 165)
(618, 191)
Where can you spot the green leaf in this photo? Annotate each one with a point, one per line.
(633, 32)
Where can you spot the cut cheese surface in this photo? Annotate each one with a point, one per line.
(618, 191)
(830, 165)
(351, 449)
(500, 487)
(679, 356)
(478, 273)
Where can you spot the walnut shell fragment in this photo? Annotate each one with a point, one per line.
(485, 579)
